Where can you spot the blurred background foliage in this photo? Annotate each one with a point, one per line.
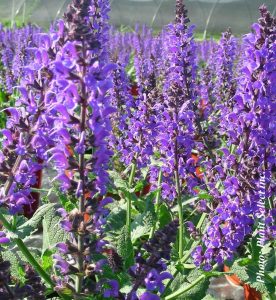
(210, 16)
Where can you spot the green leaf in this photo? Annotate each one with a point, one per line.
(52, 231)
(125, 248)
(18, 260)
(47, 260)
(139, 186)
(17, 270)
(185, 279)
(266, 249)
(67, 202)
(126, 289)
(204, 196)
(31, 225)
(142, 225)
(118, 181)
(116, 219)
(248, 274)
(164, 215)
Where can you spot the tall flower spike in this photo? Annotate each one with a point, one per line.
(250, 132)
(27, 134)
(80, 153)
(175, 125)
(137, 144)
(15, 55)
(181, 14)
(225, 85)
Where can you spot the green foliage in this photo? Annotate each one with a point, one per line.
(47, 260)
(185, 278)
(164, 215)
(116, 219)
(27, 228)
(16, 268)
(52, 232)
(3, 104)
(118, 181)
(18, 260)
(125, 248)
(142, 225)
(68, 203)
(247, 270)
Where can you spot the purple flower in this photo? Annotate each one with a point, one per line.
(62, 248)
(61, 264)
(80, 147)
(113, 290)
(3, 238)
(154, 280)
(149, 296)
(197, 256)
(175, 125)
(245, 125)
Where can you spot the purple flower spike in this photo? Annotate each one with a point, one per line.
(248, 125)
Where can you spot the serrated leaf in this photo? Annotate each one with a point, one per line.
(34, 251)
(31, 225)
(125, 248)
(182, 280)
(116, 219)
(118, 181)
(16, 266)
(142, 225)
(52, 231)
(248, 274)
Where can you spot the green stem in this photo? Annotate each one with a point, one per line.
(271, 296)
(157, 202)
(201, 220)
(132, 175)
(184, 289)
(180, 215)
(130, 183)
(14, 222)
(27, 253)
(187, 255)
(33, 262)
(6, 224)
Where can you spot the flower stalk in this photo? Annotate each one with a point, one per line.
(130, 183)
(157, 201)
(180, 210)
(80, 260)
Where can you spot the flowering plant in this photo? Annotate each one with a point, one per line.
(160, 155)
